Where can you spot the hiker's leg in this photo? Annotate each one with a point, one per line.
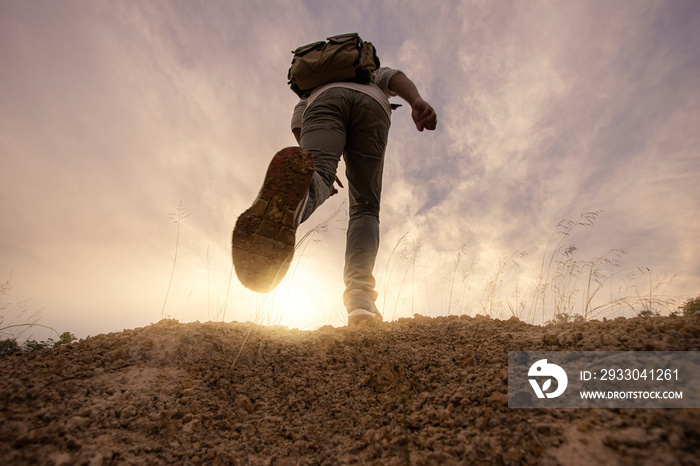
(323, 134)
(364, 158)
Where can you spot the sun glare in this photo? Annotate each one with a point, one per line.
(296, 307)
(300, 301)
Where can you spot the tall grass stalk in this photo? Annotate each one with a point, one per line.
(386, 276)
(177, 217)
(466, 274)
(416, 247)
(26, 317)
(564, 228)
(411, 262)
(208, 285)
(655, 300)
(597, 280)
(491, 304)
(453, 275)
(517, 306)
(228, 290)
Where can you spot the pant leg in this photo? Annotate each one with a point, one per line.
(364, 159)
(343, 121)
(324, 134)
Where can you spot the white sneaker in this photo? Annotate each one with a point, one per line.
(364, 317)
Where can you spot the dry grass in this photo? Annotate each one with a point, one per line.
(409, 281)
(565, 285)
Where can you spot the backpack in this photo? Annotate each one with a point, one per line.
(339, 58)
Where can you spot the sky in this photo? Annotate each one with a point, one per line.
(133, 134)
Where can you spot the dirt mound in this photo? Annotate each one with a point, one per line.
(421, 390)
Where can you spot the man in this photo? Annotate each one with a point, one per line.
(346, 119)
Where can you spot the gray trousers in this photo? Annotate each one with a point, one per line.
(349, 123)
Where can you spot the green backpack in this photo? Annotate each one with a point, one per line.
(339, 58)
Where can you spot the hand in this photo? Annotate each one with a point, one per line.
(423, 115)
(335, 191)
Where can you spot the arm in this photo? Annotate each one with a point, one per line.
(422, 113)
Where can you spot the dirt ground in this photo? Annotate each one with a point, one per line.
(418, 391)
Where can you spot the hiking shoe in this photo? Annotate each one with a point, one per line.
(361, 308)
(363, 317)
(264, 236)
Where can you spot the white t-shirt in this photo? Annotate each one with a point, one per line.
(378, 89)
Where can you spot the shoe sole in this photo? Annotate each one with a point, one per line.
(262, 244)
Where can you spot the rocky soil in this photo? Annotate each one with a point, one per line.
(418, 391)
